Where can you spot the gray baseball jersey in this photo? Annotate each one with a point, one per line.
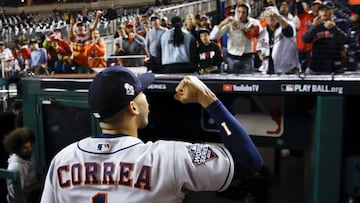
(123, 168)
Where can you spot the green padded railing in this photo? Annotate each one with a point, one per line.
(15, 176)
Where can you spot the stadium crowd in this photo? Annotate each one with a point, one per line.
(288, 37)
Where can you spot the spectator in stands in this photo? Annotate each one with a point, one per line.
(55, 45)
(164, 22)
(143, 21)
(205, 22)
(145, 27)
(6, 57)
(197, 20)
(315, 5)
(276, 45)
(327, 35)
(95, 51)
(57, 32)
(152, 42)
(137, 22)
(284, 11)
(22, 38)
(38, 58)
(5, 53)
(178, 49)
(190, 25)
(134, 44)
(22, 54)
(63, 64)
(241, 30)
(305, 18)
(272, 3)
(61, 45)
(19, 144)
(119, 36)
(78, 38)
(210, 55)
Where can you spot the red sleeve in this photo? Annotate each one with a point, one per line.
(65, 46)
(26, 53)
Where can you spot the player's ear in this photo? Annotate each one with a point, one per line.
(133, 108)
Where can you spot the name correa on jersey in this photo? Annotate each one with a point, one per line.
(92, 173)
(201, 153)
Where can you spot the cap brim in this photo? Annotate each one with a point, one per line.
(146, 79)
(324, 6)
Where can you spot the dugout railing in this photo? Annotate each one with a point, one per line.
(15, 177)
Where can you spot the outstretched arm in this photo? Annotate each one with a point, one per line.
(246, 156)
(96, 20)
(72, 34)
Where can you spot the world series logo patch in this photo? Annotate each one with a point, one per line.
(200, 153)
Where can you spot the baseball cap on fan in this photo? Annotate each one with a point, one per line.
(327, 4)
(113, 88)
(316, 2)
(154, 17)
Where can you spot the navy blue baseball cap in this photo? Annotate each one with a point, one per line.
(113, 88)
(327, 4)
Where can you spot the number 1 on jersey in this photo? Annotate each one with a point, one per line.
(100, 197)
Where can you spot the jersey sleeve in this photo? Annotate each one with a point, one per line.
(202, 167)
(244, 152)
(48, 194)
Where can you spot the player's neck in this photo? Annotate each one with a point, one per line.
(120, 131)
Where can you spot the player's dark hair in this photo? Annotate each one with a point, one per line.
(14, 140)
(178, 34)
(113, 119)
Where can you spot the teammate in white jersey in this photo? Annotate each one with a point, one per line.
(117, 166)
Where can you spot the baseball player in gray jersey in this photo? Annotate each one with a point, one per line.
(117, 166)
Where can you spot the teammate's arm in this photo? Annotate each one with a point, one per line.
(246, 157)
